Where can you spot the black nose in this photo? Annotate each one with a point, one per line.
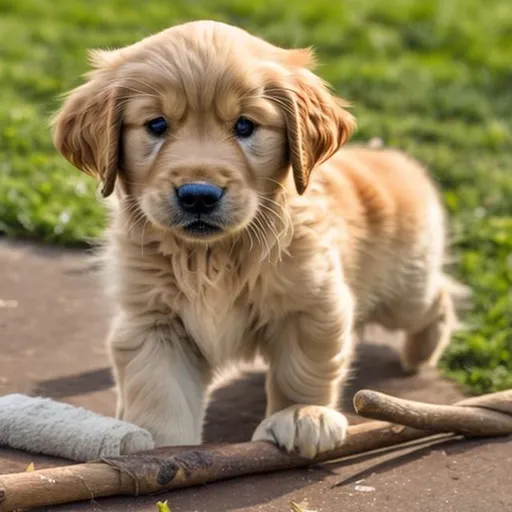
(198, 197)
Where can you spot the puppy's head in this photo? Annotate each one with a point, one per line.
(200, 125)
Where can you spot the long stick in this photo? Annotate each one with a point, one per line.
(167, 468)
(171, 468)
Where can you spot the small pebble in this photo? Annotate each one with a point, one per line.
(364, 488)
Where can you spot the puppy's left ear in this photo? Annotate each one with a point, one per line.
(87, 130)
(317, 124)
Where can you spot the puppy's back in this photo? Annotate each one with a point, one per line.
(395, 192)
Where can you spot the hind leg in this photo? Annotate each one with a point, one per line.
(429, 333)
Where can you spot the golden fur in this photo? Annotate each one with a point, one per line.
(315, 242)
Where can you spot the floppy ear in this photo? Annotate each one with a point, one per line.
(317, 124)
(87, 130)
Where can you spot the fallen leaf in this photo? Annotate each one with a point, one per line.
(30, 468)
(299, 508)
(162, 506)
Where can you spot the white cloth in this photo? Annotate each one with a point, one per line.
(41, 425)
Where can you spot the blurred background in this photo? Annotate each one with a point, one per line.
(431, 77)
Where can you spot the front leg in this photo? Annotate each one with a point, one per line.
(309, 356)
(161, 380)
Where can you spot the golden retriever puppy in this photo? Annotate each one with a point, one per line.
(239, 230)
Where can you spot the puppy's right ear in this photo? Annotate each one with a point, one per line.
(87, 129)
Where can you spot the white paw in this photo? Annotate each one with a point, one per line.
(305, 429)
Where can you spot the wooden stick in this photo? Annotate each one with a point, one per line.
(488, 415)
(172, 468)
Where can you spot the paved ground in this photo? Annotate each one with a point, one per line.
(53, 321)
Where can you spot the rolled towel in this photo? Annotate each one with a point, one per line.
(42, 425)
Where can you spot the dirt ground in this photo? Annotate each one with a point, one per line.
(53, 322)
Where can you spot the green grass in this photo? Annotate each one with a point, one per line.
(431, 77)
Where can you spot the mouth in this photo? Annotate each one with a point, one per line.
(200, 228)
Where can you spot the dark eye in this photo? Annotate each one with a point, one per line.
(244, 128)
(157, 126)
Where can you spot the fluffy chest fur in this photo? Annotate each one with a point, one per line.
(227, 298)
